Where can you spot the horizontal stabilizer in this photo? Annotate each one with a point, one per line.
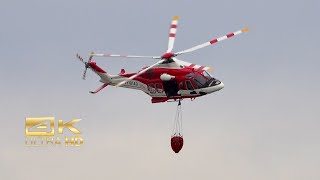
(99, 89)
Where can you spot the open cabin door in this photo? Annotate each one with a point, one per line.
(171, 88)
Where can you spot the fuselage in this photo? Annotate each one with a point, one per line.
(166, 82)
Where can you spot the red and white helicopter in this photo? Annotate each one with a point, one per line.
(169, 79)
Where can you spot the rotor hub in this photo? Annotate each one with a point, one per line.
(168, 55)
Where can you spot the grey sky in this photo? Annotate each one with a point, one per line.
(263, 125)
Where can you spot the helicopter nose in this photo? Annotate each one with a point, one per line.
(220, 86)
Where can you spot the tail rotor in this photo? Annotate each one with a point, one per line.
(86, 64)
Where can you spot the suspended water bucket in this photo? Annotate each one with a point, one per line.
(176, 143)
(176, 137)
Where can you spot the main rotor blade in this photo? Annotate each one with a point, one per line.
(139, 73)
(172, 33)
(213, 41)
(125, 56)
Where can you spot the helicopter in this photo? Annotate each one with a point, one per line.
(169, 79)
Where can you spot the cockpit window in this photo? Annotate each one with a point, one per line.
(189, 85)
(200, 81)
(188, 76)
(206, 74)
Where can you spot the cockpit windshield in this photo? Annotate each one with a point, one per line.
(206, 74)
(200, 81)
(203, 80)
(211, 81)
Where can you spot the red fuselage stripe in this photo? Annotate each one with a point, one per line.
(201, 67)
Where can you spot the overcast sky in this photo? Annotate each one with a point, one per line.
(263, 125)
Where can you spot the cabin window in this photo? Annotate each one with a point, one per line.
(159, 88)
(151, 88)
(189, 85)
